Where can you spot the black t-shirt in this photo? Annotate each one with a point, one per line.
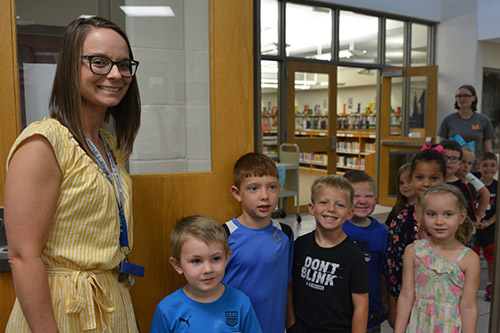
(491, 209)
(324, 280)
(470, 196)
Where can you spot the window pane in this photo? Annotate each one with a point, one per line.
(397, 158)
(311, 104)
(416, 115)
(173, 77)
(308, 32)
(419, 44)
(358, 37)
(396, 105)
(394, 42)
(490, 102)
(311, 116)
(269, 108)
(356, 98)
(269, 27)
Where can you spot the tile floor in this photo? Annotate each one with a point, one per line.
(380, 213)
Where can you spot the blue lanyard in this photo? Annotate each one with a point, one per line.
(112, 176)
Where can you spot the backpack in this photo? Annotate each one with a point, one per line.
(284, 227)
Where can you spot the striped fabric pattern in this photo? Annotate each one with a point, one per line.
(83, 246)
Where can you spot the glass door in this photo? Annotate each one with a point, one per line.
(407, 121)
(311, 120)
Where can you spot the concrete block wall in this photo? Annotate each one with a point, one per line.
(174, 82)
(456, 51)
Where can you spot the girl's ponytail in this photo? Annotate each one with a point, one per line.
(464, 232)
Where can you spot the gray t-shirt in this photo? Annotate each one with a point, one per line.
(477, 128)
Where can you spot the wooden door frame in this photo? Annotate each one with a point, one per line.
(9, 126)
(385, 138)
(160, 200)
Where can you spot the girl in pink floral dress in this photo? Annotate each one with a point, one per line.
(440, 275)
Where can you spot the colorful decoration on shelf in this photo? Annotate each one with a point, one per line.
(307, 110)
(270, 111)
(274, 111)
(317, 110)
(369, 109)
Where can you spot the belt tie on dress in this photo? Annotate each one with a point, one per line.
(85, 292)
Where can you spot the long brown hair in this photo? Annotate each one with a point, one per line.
(473, 93)
(66, 101)
(401, 200)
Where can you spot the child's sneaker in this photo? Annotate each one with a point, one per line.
(489, 290)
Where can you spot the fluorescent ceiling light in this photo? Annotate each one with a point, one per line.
(345, 54)
(148, 11)
(324, 56)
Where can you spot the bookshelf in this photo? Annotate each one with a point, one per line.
(270, 142)
(355, 151)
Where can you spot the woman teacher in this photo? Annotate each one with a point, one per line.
(472, 126)
(68, 196)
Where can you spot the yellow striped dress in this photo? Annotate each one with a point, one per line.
(83, 248)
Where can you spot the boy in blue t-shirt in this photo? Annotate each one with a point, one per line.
(200, 251)
(262, 249)
(371, 237)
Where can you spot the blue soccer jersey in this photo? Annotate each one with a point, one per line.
(232, 312)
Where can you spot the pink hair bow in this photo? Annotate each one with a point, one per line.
(438, 148)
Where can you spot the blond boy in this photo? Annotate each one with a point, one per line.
(330, 279)
(200, 252)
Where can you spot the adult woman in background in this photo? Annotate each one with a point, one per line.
(67, 192)
(472, 126)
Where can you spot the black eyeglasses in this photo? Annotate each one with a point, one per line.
(463, 96)
(453, 159)
(101, 65)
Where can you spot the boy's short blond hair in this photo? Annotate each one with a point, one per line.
(335, 182)
(200, 227)
(467, 150)
(254, 165)
(358, 176)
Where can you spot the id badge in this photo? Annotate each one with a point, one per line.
(131, 269)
